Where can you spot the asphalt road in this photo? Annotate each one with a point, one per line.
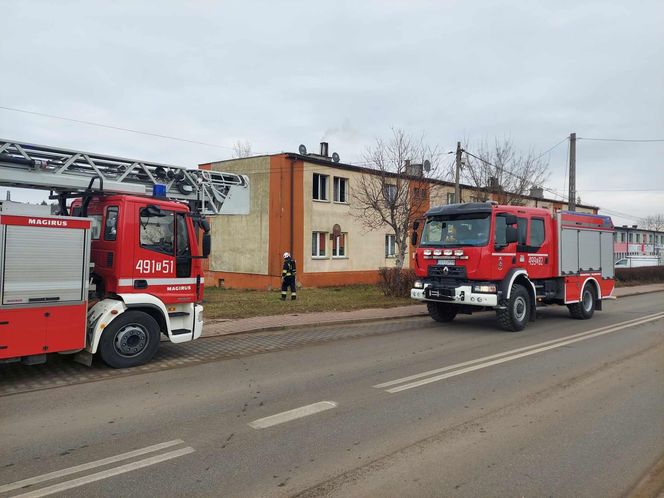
(399, 408)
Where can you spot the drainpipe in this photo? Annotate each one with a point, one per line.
(292, 189)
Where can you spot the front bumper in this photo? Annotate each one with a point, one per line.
(461, 294)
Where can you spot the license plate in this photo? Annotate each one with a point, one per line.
(446, 262)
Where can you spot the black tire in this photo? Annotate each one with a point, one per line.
(517, 313)
(584, 309)
(442, 312)
(130, 340)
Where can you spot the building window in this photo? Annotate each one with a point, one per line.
(631, 237)
(318, 244)
(340, 189)
(320, 187)
(450, 198)
(622, 236)
(638, 238)
(390, 246)
(339, 246)
(419, 194)
(390, 193)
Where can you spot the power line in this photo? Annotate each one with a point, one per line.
(637, 140)
(119, 128)
(551, 148)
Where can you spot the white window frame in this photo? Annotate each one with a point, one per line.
(322, 192)
(336, 247)
(450, 197)
(393, 246)
(336, 197)
(315, 245)
(390, 193)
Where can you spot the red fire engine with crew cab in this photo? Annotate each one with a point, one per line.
(118, 267)
(512, 259)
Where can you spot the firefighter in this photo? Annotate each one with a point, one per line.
(288, 277)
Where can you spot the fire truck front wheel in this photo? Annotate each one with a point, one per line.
(441, 312)
(516, 314)
(130, 340)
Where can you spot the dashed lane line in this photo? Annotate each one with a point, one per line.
(287, 416)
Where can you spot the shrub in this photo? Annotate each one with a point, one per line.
(643, 275)
(394, 282)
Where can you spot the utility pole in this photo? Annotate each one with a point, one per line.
(572, 172)
(457, 188)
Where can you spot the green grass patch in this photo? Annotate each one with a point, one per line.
(238, 303)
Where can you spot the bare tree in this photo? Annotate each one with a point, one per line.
(654, 222)
(241, 149)
(503, 171)
(394, 193)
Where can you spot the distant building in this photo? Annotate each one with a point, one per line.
(635, 241)
(298, 202)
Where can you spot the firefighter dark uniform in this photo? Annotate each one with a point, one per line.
(288, 277)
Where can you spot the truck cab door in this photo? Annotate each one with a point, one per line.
(538, 249)
(154, 254)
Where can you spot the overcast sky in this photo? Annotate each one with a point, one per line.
(281, 73)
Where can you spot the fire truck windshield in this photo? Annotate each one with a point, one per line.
(468, 229)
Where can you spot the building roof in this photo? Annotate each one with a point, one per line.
(315, 159)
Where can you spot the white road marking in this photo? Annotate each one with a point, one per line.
(502, 358)
(289, 415)
(105, 474)
(87, 466)
(499, 355)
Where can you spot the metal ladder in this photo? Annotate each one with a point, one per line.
(27, 165)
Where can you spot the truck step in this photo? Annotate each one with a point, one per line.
(180, 331)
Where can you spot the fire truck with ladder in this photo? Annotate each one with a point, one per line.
(512, 259)
(118, 266)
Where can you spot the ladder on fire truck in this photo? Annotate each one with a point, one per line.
(70, 172)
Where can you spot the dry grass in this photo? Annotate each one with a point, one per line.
(235, 303)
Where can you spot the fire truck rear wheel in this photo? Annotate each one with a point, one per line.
(130, 340)
(584, 309)
(516, 314)
(442, 312)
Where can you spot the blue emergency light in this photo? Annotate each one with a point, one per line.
(159, 190)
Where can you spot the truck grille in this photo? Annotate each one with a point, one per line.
(452, 271)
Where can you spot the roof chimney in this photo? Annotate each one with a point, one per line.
(324, 148)
(537, 192)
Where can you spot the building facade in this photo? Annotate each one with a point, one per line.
(635, 241)
(304, 205)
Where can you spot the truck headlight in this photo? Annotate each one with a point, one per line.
(418, 284)
(486, 288)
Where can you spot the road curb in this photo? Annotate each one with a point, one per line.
(350, 321)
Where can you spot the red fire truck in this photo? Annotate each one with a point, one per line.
(512, 259)
(118, 267)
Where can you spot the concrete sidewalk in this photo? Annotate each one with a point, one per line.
(278, 322)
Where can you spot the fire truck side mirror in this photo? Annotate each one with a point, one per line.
(413, 239)
(416, 225)
(207, 244)
(510, 219)
(511, 234)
